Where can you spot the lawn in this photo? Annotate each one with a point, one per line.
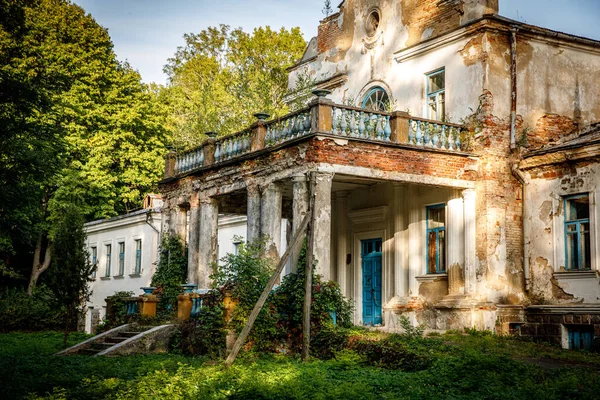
(460, 366)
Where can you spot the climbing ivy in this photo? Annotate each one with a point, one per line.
(170, 273)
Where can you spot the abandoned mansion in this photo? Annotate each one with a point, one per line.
(453, 158)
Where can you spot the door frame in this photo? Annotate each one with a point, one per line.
(358, 297)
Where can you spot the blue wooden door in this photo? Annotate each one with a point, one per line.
(371, 281)
(580, 338)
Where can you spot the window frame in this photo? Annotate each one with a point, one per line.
(372, 91)
(439, 269)
(577, 223)
(94, 259)
(137, 267)
(108, 255)
(436, 95)
(121, 270)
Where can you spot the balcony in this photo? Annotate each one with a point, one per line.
(322, 118)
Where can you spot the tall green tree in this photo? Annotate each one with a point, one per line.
(221, 77)
(71, 267)
(82, 127)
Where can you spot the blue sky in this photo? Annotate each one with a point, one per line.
(147, 32)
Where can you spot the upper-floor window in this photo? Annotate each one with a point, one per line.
(94, 256)
(436, 95)
(108, 248)
(138, 256)
(577, 232)
(436, 239)
(376, 99)
(121, 258)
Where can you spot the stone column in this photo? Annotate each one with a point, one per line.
(181, 218)
(341, 229)
(322, 224)
(194, 237)
(400, 250)
(253, 212)
(455, 240)
(270, 219)
(208, 241)
(165, 221)
(469, 197)
(299, 210)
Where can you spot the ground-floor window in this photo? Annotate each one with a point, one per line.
(436, 239)
(577, 232)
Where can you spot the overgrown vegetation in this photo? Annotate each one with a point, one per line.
(458, 366)
(170, 273)
(278, 328)
(40, 311)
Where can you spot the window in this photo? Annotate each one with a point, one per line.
(94, 255)
(577, 232)
(436, 239)
(436, 94)
(372, 22)
(376, 99)
(138, 256)
(108, 255)
(121, 258)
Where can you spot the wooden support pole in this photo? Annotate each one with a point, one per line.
(308, 269)
(263, 297)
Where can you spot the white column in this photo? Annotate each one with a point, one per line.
(455, 240)
(299, 210)
(194, 237)
(322, 224)
(400, 230)
(469, 197)
(341, 229)
(208, 241)
(253, 212)
(416, 238)
(270, 218)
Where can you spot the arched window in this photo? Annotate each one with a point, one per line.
(376, 99)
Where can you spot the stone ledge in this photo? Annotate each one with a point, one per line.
(432, 277)
(568, 275)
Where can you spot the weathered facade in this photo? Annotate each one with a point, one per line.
(416, 215)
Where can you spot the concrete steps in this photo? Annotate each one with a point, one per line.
(125, 339)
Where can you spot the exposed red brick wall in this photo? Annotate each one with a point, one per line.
(392, 159)
(499, 206)
(549, 129)
(329, 33)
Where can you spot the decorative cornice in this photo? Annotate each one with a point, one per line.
(375, 214)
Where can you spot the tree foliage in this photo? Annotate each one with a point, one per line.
(221, 77)
(71, 267)
(78, 126)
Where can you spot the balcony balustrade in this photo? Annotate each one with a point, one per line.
(323, 117)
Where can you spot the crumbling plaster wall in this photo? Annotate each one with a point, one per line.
(499, 246)
(557, 83)
(372, 62)
(547, 186)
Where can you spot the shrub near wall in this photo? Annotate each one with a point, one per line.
(278, 327)
(20, 312)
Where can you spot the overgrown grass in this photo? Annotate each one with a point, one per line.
(474, 366)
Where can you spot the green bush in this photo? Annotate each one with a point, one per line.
(41, 311)
(279, 325)
(393, 351)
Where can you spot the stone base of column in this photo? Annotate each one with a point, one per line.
(148, 305)
(457, 301)
(184, 307)
(400, 304)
